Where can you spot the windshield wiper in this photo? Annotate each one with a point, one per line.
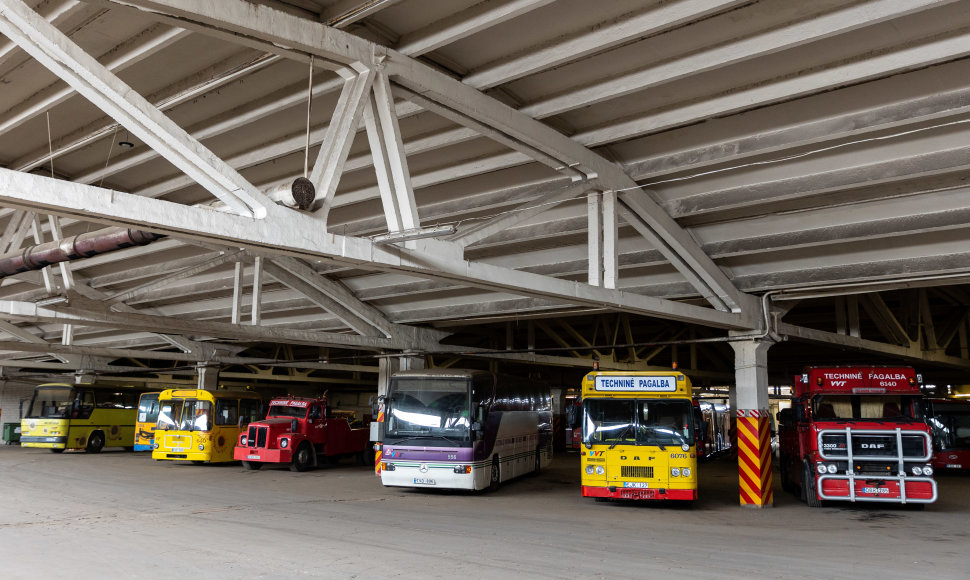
(619, 436)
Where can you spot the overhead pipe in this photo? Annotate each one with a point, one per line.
(73, 248)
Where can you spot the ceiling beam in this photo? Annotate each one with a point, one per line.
(302, 236)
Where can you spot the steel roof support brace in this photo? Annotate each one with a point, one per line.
(96, 83)
(275, 29)
(390, 163)
(332, 157)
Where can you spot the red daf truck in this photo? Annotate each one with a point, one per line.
(856, 434)
(301, 432)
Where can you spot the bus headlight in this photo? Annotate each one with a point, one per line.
(927, 470)
(590, 469)
(821, 468)
(388, 467)
(916, 470)
(685, 472)
(284, 443)
(600, 470)
(201, 447)
(674, 472)
(463, 469)
(154, 445)
(244, 440)
(832, 468)
(685, 447)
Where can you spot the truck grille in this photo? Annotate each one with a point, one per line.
(256, 437)
(636, 471)
(834, 445)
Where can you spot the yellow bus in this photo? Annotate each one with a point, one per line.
(145, 423)
(638, 436)
(202, 426)
(89, 417)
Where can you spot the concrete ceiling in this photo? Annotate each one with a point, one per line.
(647, 174)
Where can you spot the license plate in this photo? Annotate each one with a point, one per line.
(875, 490)
(252, 457)
(423, 481)
(954, 466)
(638, 484)
(178, 449)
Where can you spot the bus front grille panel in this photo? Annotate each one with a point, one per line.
(644, 471)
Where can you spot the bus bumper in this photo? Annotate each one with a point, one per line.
(432, 476)
(614, 492)
(143, 447)
(44, 442)
(262, 455)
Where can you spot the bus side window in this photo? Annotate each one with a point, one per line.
(84, 405)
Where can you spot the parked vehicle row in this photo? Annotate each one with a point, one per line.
(857, 434)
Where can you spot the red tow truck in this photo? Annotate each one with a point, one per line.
(301, 432)
(856, 434)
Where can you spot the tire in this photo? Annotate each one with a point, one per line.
(57, 450)
(95, 442)
(252, 465)
(494, 476)
(302, 458)
(808, 488)
(786, 483)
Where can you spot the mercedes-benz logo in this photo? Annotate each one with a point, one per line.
(423, 468)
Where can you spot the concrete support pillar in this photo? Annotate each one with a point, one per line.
(753, 424)
(208, 376)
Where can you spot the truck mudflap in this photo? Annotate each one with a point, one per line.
(891, 489)
(617, 492)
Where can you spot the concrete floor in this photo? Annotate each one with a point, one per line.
(119, 515)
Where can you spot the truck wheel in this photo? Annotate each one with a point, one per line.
(786, 483)
(302, 458)
(252, 465)
(95, 442)
(808, 488)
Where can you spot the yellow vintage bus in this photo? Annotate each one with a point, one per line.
(145, 422)
(638, 434)
(202, 426)
(89, 417)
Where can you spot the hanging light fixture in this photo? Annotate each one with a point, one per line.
(126, 144)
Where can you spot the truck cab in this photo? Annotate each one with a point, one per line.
(856, 434)
(300, 432)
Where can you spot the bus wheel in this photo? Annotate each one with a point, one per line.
(95, 442)
(53, 450)
(252, 465)
(303, 458)
(811, 496)
(495, 476)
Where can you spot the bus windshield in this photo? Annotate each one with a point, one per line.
(863, 407)
(184, 415)
(656, 422)
(435, 407)
(148, 408)
(951, 428)
(51, 403)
